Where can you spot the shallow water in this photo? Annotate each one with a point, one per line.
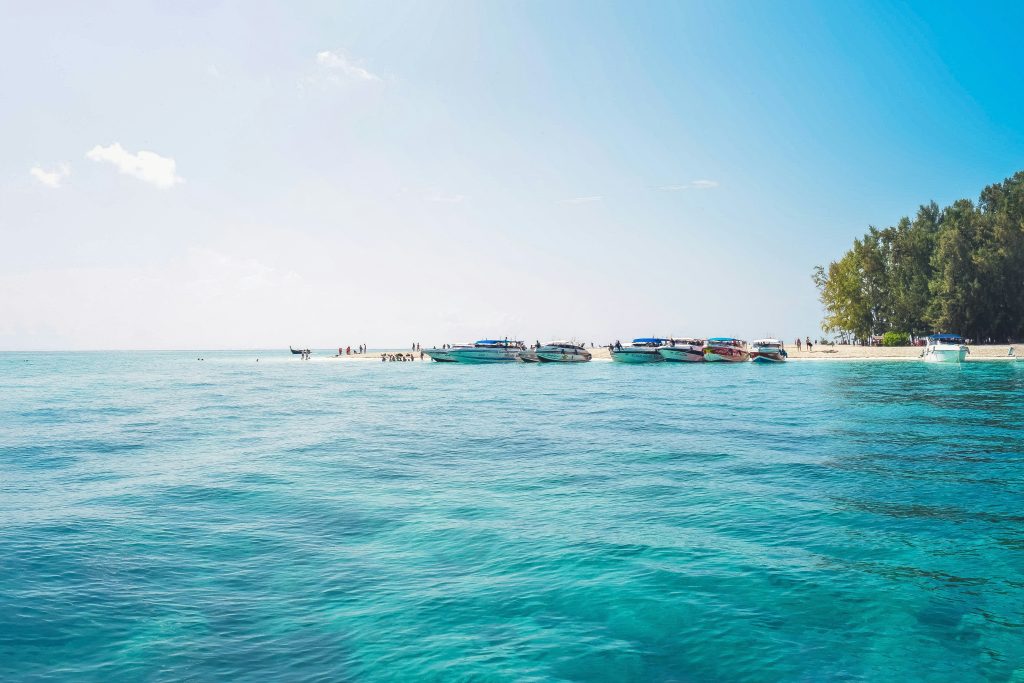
(165, 518)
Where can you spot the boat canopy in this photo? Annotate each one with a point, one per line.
(649, 340)
(496, 342)
(767, 342)
(562, 342)
(956, 338)
(725, 339)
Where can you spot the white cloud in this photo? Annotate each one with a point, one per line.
(147, 166)
(51, 178)
(580, 200)
(338, 63)
(692, 185)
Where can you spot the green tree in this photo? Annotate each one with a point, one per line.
(955, 285)
(957, 269)
(910, 270)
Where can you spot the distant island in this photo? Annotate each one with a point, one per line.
(956, 269)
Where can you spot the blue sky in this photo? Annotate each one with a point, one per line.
(335, 173)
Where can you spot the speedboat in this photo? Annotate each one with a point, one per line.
(488, 351)
(444, 355)
(683, 350)
(945, 348)
(726, 349)
(768, 351)
(642, 350)
(529, 355)
(562, 352)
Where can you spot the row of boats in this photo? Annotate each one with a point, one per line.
(641, 350)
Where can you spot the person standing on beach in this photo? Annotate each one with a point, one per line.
(807, 342)
(798, 347)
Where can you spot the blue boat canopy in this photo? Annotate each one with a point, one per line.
(649, 340)
(723, 339)
(945, 337)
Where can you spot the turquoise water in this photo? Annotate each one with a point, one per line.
(169, 519)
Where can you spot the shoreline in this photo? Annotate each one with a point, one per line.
(980, 353)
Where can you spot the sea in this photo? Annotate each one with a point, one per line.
(255, 517)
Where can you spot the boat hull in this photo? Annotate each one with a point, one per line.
(559, 357)
(767, 353)
(440, 355)
(637, 356)
(529, 356)
(682, 354)
(725, 354)
(945, 354)
(481, 355)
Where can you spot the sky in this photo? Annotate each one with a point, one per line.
(205, 175)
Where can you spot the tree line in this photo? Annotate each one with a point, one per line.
(957, 269)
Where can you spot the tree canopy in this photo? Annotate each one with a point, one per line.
(957, 269)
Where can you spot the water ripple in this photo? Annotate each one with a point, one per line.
(168, 519)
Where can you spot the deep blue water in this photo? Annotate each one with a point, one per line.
(169, 519)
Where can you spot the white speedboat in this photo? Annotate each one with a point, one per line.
(683, 350)
(444, 355)
(488, 351)
(562, 352)
(768, 351)
(726, 349)
(945, 348)
(641, 350)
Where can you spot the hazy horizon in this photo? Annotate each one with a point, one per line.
(251, 175)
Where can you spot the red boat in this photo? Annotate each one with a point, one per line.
(726, 349)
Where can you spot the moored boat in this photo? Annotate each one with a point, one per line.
(945, 348)
(687, 350)
(562, 352)
(768, 351)
(726, 349)
(529, 355)
(488, 351)
(444, 355)
(641, 350)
